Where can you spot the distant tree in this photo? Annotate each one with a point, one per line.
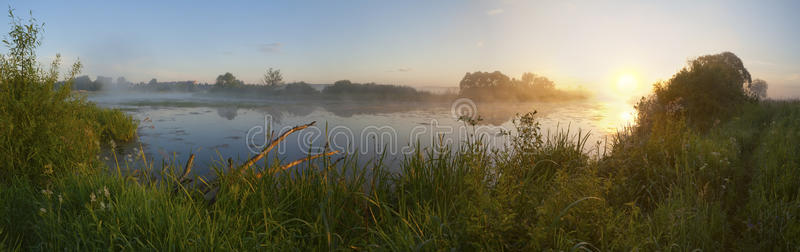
(758, 89)
(484, 80)
(102, 80)
(122, 81)
(537, 82)
(85, 83)
(227, 80)
(272, 77)
(153, 81)
(342, 83)
(300, 88)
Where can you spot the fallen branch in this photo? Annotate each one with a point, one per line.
(187, 169)
(271, 145)
(183, 178)
(297, 162)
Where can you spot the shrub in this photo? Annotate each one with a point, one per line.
(710, 89)
(44, 130)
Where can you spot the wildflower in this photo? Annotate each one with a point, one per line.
(112, 143)
(92, 198)
(48, 169)
(106, 158)
(102, 205)
(715, 153)
(47, 192)
(60, 200)
(105, 191)
(43, 210)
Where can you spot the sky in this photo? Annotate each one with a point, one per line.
(587, 44)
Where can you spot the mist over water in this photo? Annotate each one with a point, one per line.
(174, 125)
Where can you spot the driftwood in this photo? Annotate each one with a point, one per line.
(211, 194)
(187, 170)
(271, 145)
(297, 162)
(185, 176)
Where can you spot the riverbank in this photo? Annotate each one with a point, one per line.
(733, 187)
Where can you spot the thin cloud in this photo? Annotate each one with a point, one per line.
(271, 47)
(494, 12)
(401, 69)
(479, 44)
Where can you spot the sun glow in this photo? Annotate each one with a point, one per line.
(627, 83)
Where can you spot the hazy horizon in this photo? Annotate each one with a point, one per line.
(586, 44)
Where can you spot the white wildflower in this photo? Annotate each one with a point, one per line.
(60, 199)
(105, 191)
(102, 205)
(92, 198)
(43, 210)
(47, 192)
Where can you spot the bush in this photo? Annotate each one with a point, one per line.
(46, 131)
(710, 89)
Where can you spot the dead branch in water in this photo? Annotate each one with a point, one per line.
(211, 195)
(271, 145)
(297, 162)
(188, 169)
(184, 177)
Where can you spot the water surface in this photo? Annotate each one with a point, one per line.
(172, 126)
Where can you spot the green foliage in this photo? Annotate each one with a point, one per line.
(46, 131)
(711, 88)
(345, 88)
(497, 86)
(227, 80)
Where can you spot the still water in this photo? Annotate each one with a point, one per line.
(173, 126)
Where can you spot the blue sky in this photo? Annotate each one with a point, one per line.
(419, 43)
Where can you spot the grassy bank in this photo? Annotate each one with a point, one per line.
(733, 187)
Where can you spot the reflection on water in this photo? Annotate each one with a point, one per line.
(227, 112)
(173, 127)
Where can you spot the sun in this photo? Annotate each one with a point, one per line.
(627, 83)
